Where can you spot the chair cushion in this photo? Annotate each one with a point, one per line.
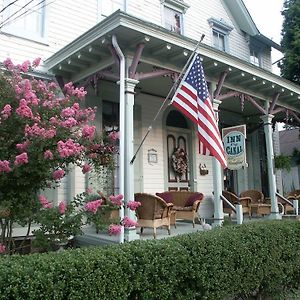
(165, 196)
(190, 201)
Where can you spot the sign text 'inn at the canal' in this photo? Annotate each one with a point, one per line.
(234, 139)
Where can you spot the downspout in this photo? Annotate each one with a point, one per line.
(122, 126)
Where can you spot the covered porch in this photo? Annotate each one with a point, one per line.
(133, 64)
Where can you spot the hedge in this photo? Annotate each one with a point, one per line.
(258, 257)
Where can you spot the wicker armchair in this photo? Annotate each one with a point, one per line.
(258, 204)
(233, 199)
(154, 212)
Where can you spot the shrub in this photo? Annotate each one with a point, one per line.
(235, 261)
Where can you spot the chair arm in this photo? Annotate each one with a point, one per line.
(169, 208)
(196, 205)
(245, 201)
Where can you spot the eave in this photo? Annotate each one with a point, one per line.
(165, 49)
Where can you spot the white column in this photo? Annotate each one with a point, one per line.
(130, 234)
(267, 119)
(217, 182)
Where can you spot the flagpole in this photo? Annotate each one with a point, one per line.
(166, 99)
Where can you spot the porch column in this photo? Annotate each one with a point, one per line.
(270, 160)
(217, 181)
(130, 234)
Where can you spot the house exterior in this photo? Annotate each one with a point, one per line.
(87, 44)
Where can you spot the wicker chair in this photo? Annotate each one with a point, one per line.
(154, 212)
(294, 195)
(233, 199)
(258, 204)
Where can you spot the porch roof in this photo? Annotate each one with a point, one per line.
(89, 53)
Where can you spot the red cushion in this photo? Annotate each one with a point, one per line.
(165, 196)
(190, 201)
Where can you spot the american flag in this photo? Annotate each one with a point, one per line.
(192, 99)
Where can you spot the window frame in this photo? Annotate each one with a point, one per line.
(11, 29)
(222, 29)
(177, 7)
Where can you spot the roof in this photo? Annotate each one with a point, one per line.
(245, 22)
(289, 139)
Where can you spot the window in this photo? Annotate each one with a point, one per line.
(25, 19)
(220, 33)
(110, 116)
(173, 12)
(254, 57)
(110, 6)
(219, 40)
(173, 20)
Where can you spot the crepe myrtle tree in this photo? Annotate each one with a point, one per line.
(42, 132)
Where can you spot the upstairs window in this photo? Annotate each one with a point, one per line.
(173, 20)
(220, 33)
(219, 40)
(255, 58)
(25, 19)
(173, 14)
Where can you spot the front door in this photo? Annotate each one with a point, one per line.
(178, 161)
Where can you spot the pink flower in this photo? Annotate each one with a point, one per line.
(128, 223)
(24, 67)
(21, 159)
(45, 203)
(6, 112)
(114, 135)
(117, 200)
(70, 122)
(86, 168)
(68, 148)
(4, 166)
(92, 206)
(24, 110)
(48, 155)
(133, 205)
(62, 207)
(58, 174)
(8, 64)
(114, 229)
(2, 248)
(67, 112)
(88, 131)
(36, 62)
(23, 146)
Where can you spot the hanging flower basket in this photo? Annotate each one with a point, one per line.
(179, 161)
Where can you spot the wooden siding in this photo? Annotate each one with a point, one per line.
(65, 22)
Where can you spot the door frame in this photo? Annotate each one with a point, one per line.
(191, 135)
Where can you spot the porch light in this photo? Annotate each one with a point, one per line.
(90, 49)
(254, 78)
(229, 69)
(185, 53)
(215, 64)
(79, 55)
(292, 94)
(59, 67)
(152, 156)
(263, 82)
(168, 47)
(243, 74)
(147, 38)
(298, 96)
(69, 61)
(282, 89)
(273, 86)
(103, 41)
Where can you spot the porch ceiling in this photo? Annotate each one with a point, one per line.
(90, 53)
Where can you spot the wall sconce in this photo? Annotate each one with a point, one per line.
(152, 156)
(203, 169)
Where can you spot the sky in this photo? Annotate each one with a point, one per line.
(267, 18)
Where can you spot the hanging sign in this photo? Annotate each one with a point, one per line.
(234, 139)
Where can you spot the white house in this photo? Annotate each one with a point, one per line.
(86, 44)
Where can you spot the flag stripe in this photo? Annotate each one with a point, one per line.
(192, 99)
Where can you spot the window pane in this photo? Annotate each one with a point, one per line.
(25, 17)
(172, 19)
(219, 40)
